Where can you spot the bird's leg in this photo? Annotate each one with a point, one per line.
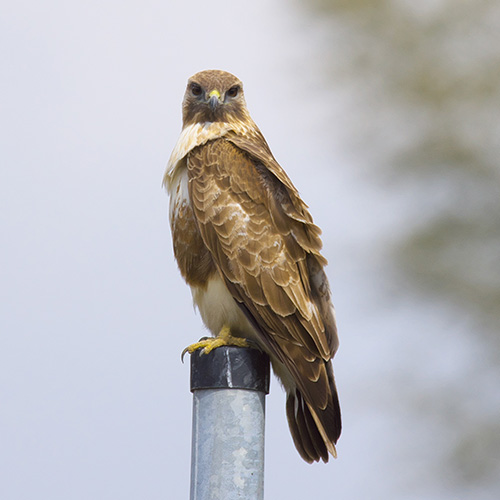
(210, 343)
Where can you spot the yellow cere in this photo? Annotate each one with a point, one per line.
(214, 93)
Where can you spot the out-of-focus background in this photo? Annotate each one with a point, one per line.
(386, 115)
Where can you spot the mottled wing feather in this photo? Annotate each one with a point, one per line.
(264, 244)
(256, 146)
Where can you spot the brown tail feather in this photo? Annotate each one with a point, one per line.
(314, 431)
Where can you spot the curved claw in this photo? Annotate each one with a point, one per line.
(210, 343)
(203, 342)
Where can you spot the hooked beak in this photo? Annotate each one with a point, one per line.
(213, 99)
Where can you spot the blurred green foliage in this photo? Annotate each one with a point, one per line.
(426, 78)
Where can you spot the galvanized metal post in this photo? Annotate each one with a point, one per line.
(229, 386)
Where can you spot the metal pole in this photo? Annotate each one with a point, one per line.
(229, 386)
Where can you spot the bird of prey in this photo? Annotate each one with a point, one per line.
(247, 246)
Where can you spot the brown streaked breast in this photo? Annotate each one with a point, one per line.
(193, 258)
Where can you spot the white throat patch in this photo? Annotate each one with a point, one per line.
(192, 136)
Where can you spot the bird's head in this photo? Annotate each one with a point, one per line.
(213, 96)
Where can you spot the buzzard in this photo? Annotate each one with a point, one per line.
(247, 246)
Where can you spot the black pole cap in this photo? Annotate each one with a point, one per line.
(230, 367)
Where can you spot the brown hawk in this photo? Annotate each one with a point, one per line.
(247, 246)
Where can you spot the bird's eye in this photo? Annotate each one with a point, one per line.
(196, 89)
(233, 91)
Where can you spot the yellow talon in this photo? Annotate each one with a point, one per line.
(210, 343)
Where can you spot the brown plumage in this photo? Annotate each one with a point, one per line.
(247, 246)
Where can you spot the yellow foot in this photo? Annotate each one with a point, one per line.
(210, 343)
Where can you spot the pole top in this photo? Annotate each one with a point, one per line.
(230, 367)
